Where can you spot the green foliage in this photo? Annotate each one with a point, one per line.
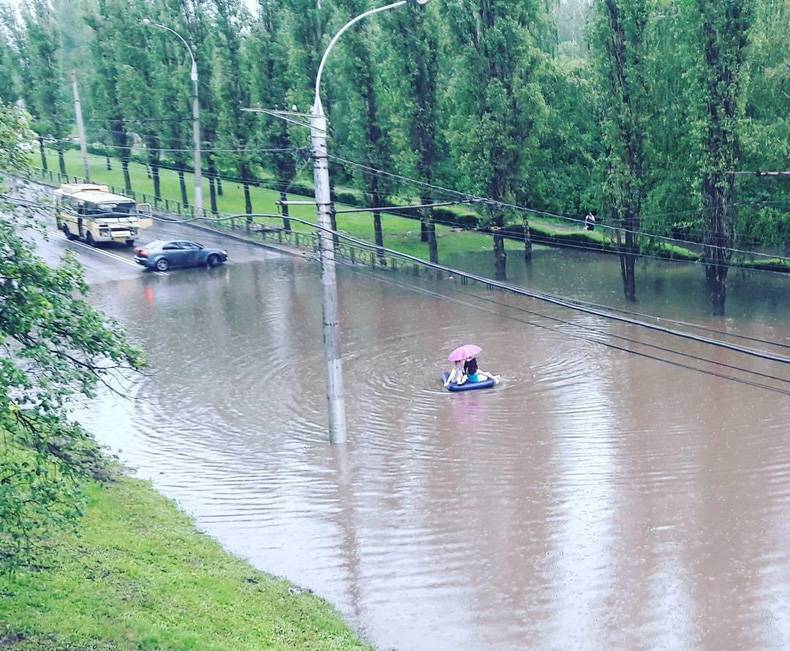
(138, 576)
(552, 106)
(53, 346)
(15, 138)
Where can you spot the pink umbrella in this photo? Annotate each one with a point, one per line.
(462, 352)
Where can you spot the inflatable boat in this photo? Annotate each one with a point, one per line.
(467, 386)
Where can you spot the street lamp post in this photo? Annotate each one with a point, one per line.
(198, 201)
(323, 200)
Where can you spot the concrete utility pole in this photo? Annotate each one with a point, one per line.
(318, 130)
(198, 201)
(86, 169)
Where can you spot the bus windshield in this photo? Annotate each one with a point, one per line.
(110, 210)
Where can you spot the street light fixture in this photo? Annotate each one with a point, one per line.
(198, 202)
(318, 130)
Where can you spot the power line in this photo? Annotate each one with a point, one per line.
(542, 296)
(524, 209)
(560, 301)
(439, 295)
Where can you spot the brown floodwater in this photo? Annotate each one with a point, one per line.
(595, 499)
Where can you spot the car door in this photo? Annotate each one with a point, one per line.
(174, 253)
(191, 253)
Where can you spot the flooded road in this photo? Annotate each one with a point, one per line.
(595, 499)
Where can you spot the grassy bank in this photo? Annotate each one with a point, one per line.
(139, 576)
(400, 233)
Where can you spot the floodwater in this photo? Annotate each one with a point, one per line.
(596, 499)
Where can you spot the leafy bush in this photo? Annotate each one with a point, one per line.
(53, 346)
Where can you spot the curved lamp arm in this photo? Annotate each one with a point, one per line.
(150, 23)
(341, 32)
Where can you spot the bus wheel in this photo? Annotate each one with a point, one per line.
(67, 232)
(89, 239)
(129, 242)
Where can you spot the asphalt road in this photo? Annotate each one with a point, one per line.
(109, 262)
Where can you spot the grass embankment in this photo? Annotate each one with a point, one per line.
(139, 576)
(400, 233)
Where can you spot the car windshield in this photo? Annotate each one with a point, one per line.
(156, 244)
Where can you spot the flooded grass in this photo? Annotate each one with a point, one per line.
(140, 576)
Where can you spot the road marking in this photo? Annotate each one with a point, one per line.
(102, 252)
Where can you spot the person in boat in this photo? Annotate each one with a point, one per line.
(474, 374)
(456, 374)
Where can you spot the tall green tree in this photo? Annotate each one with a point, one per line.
(495, 99)
(763, 202)
(45, 81)
(233, 92)
(412, 75)
(9, 56)
(267, 55)
(723, 36)
(109, 27)
(358, 111)
(621, 27)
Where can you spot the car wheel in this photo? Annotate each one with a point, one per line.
(162, 264)
(67, 232)
(89, 239)
(214, 260)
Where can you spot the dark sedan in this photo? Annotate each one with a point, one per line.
(162, 255)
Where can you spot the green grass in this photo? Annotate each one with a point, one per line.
(139, 576)
(400, 233)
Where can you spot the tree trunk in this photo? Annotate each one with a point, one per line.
(61, 161)
(527, 241)
(183, 185)
(153, 167)
(717, 239)
(627, 255)
(333, 223)
(247, 198)
(219, 185)
(43, 152)
(157, 181)
(127, 179)
(212, 189)
(379, 236)
(500, 256)
(433, 245)
(286, 213)
(428, 230)
(212, 193)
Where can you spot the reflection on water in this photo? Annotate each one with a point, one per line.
(594, 499)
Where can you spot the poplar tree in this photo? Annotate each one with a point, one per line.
(233, 92)
(359, 114)
(267, 56)
(45, 81)
(108, 30)
(495, 100)
(723, 35)
(9, 56)
(621, 53)
(412, 73)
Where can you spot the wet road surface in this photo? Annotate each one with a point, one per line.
(596, 499)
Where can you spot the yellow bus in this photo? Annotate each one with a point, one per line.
(93, 214)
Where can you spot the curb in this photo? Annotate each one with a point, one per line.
(234, 236)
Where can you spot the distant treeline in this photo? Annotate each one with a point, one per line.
(639, 110)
